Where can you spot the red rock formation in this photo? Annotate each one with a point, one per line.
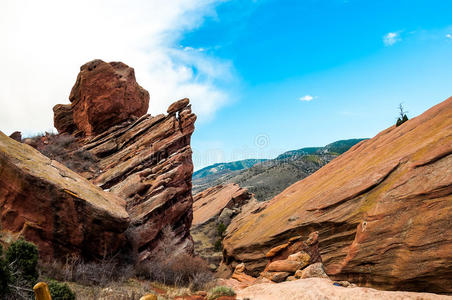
(63, 118)
(16, 135)
(211, 202)
(57, 209)
(104, 95)
(148, 163)
(144, 160)
(383, 210)
(212, 207)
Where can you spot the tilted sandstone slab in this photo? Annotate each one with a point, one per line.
(148, 163)
(57, 209)
(210, 203)
(383, 210)
(218, 204)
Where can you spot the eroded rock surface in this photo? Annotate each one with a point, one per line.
(104, 95)
(57, 209)
(212, 207)
(383, 210)
(148, 163)
(143, 159)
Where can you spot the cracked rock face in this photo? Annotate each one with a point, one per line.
(147, 162)
(218, 204)
(104, 95)
(139, 183)
(55, 208)
(383, 210)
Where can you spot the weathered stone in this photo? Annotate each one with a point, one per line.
(55, 208)
(63, 119)
(178, 105)
(148, 163)
(302, 257)
(16, 135)
(226, 216)
(275, 276)
(212, 207)
(284, 266)
(295, 239)
(240, 275)
(313, 271)
(382, 209)
(105, 94)
(275, 250)
(211, 202)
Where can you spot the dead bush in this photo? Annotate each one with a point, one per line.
(66, 150)
(100, 273)
(171, 265)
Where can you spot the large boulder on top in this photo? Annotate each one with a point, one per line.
(55, 208)
(105, 94)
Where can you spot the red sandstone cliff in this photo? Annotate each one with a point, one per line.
(383, 210)
(140, 177)
(55, 208)
(144, 159)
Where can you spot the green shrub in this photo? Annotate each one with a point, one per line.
(221, 229)
(218, 245)
(22, 257)
(4, 274)
(220, 291)
(60, 291)
(401, 120)
(402, 116)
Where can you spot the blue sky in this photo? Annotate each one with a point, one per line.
(357, 60)
(246, 65)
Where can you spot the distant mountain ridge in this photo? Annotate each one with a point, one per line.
(337, 147)
(221, 168)
(267, 178)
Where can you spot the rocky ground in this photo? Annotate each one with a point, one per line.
(318, 288)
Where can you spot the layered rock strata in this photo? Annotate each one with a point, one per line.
(212, 207)
(383, 210)
(147, 162)
(55, 208)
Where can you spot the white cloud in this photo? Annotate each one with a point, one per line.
(449, 36)
(307, 98)
(45, 42)
(391, 38)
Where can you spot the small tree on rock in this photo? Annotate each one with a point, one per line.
(402, 115)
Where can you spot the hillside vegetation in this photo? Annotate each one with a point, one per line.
(267, 178)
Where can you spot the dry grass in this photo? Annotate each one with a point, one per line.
(91, 274)
(66, 150)
(172, 266)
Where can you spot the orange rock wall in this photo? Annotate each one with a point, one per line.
(383, 210)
